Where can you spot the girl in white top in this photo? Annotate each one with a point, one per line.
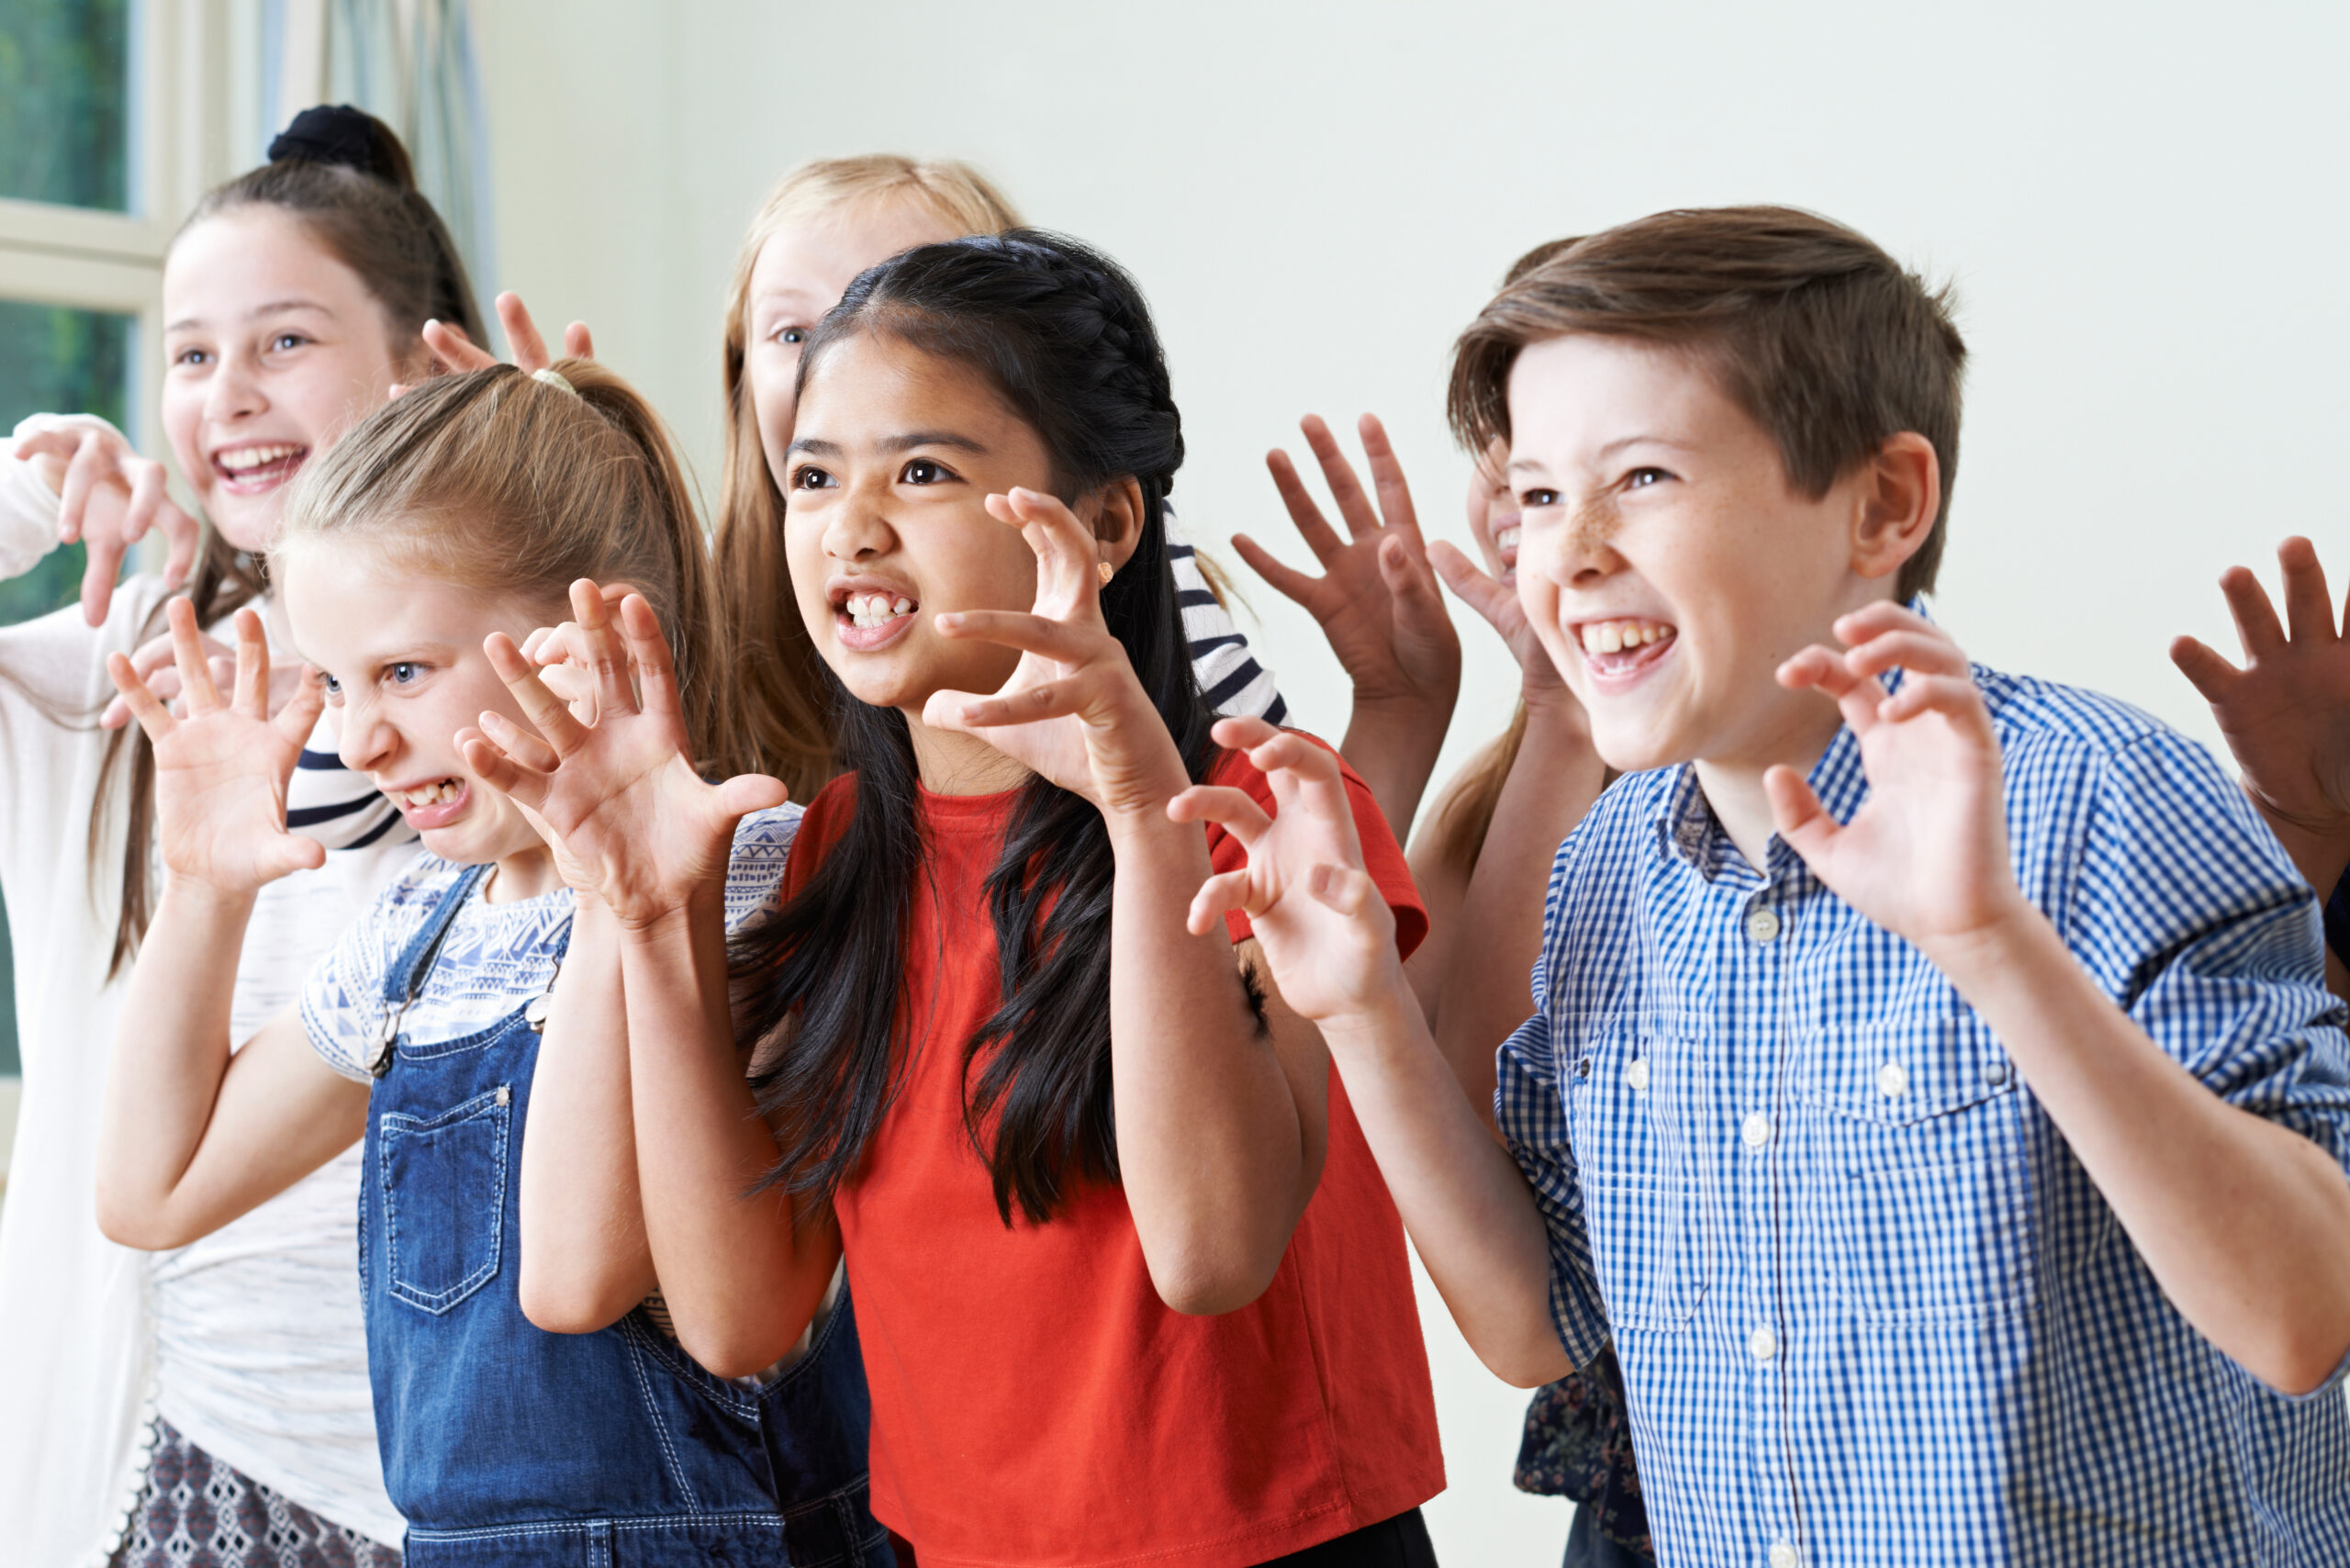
(293, 302)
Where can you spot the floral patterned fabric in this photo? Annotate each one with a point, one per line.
(198, 1513)
(1578, 1444)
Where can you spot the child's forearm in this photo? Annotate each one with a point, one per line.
(1219, 1144)
(171, 1051)
(1465, 1202)
(585, 1261)
(1486, 989)
(1393, 743)
(741, 1278)
(2241, 1220)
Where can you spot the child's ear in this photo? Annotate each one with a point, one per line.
(1118, 514)
(1900, 495)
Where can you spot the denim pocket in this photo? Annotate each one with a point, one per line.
(443, 1180)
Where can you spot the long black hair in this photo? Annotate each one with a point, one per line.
(1063, 336)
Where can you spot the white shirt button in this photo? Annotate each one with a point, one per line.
(1756, 1130)
(1892, 1081)
(1762, 925)
(1785, 1556)
(1635, 1073)
(1995, 1073)
(1762, 1344)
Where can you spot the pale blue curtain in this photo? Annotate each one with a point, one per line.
(411, 64)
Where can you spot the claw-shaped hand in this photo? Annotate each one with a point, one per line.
(1926, 857)
(1326, 929)
(631, 823)
(221, 771)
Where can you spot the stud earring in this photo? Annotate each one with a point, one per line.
(1103, 568)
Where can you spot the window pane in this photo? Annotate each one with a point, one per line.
(52, 360)
(59, 360)
(65, 102)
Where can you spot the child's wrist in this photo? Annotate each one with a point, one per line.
(197, 896)
(2320, 852)
(1999, 946)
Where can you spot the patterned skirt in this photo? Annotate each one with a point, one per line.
(1578, 1444)
(197, 1512)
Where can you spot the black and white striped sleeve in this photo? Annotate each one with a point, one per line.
(1234, 684)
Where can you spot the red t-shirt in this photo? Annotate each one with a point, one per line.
(1035, 1403)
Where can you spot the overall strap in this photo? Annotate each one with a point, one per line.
(408, 970)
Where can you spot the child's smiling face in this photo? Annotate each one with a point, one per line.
(274, 349)
(886, 527)
(1666, 562)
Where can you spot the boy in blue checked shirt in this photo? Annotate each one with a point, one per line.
(1931, 1085)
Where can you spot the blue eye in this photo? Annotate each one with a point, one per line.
(794, 336)
(333, 687)
(284, 340)
(404, 672)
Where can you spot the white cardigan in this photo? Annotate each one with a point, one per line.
(251, 1341)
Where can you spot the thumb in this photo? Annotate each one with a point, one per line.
(748, 793)
(944, 711)
(1469, 583)
(2209, 671)
(291, 852)
(1797, 815)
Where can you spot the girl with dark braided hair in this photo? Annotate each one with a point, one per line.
(1128, 1286)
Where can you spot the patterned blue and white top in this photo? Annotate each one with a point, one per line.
(495, 954)
(1870, 1308)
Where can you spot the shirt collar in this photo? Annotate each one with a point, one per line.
(1688, 827)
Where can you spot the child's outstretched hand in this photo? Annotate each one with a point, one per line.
(108, 497)
(1072, 711)
(1377, 600)
(451, 350)
(1926, 857)
(2287, 715)
(634, 824)
(1326, 931)
(221, 771)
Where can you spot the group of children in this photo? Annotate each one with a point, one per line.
(866, 1040)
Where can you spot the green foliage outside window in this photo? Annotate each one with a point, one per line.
(65, 102)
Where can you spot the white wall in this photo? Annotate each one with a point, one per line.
(2142, 210)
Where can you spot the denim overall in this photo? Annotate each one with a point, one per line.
(505, 1444)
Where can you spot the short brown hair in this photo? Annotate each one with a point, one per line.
(1829, 345)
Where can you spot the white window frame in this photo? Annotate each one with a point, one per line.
(194, 67)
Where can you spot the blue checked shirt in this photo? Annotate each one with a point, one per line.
(1870, 1308)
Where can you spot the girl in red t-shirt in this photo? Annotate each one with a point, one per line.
(1128, 1284)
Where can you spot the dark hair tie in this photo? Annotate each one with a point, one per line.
(334, 133)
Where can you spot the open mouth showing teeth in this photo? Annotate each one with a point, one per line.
(870, 610)
(249, 465)
(1505, 539)
(438, 793)
(1624, 636)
